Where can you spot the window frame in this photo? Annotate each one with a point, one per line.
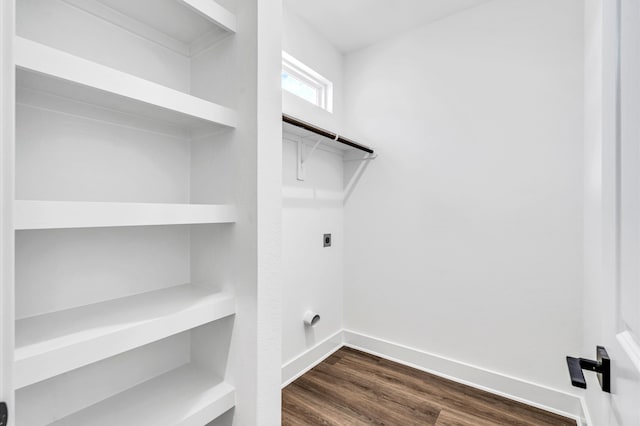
(310, 78)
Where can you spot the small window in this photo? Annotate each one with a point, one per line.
(302, 81)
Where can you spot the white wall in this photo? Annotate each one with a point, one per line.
(312, 274)
(464, 238)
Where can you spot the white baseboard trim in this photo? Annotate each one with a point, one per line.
(536, 395)
(587, 421)
(310, 358)
(533, 394)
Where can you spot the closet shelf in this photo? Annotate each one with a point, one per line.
(81, 214)
(51, 344)
(212, 11)
(184, 26)
(42, 68)
(184, 396)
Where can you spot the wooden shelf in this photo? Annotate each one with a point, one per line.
(51, 344)
(79, 214)
(184, 396)
(42, 68)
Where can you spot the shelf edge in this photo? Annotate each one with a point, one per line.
(33, 215)
(213, 12)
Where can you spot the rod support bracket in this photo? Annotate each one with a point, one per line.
(300, 161)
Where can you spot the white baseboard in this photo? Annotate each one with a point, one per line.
(586, 419)
(533, 394)
(310, 358)
(536, 395)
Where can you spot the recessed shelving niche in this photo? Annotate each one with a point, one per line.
(125, 211)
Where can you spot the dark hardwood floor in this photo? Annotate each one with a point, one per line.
(354, 388)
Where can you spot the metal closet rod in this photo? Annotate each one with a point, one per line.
(327, 134)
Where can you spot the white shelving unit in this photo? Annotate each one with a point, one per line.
(125, 143)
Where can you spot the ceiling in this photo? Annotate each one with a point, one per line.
(353, 24)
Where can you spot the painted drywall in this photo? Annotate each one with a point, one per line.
(269, 205)
(464, 238)
(309, 47)
(343, 25)
(312, 274)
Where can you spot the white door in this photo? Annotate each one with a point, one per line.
(625, 349)
(616, 310)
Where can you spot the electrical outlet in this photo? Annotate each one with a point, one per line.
(327, 240)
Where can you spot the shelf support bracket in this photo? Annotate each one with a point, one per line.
(300, 172)
(300, 175)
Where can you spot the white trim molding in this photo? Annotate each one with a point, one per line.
(533, 394)
(630, 347)
(310, 78)
(304, 362)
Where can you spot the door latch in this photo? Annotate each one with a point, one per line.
(602, 366)
(4, 414)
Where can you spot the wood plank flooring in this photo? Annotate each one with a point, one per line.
(354, 388)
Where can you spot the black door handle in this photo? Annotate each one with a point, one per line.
(575, 371)
(4, 414)
(602, 366)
